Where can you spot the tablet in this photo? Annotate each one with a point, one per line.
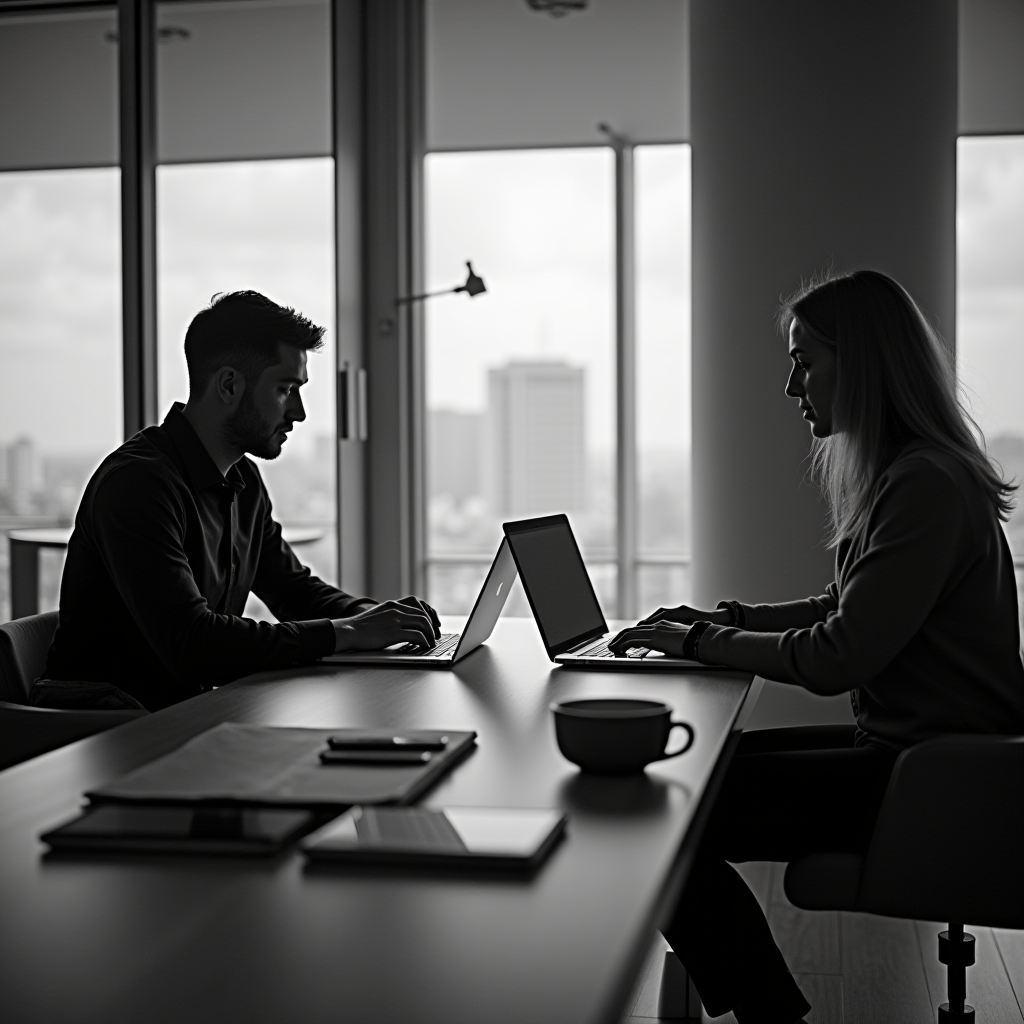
(142, 829)
(481, 836)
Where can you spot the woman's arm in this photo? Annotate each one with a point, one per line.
(777, 618)
(764, 618)
(915, 532)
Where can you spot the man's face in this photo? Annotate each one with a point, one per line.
(269, 408)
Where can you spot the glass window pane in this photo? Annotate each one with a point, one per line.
(990, 301)
(267, 226)
(662, 181)
(60, 348)
(519, 380)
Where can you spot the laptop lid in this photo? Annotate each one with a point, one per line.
(555, 579)
(489, 602)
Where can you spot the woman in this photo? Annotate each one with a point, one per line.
(920, 623)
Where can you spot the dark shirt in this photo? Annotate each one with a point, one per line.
(163, 556)
(921, 622)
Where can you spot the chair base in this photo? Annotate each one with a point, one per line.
(948, 1016)
(956, 951)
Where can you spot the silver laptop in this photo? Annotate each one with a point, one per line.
(564, 604)
(452, 647)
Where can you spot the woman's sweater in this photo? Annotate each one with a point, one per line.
(921, 621)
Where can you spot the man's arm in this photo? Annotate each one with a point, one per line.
(293, 593)
(289, 589)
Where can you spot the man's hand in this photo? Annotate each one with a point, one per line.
(687, 616)
(667, 637)
(409, 620)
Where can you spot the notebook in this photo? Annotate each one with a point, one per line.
(270, 766)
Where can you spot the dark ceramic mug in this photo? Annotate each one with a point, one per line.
(615, 735)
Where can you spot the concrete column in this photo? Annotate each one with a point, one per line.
(823, 133)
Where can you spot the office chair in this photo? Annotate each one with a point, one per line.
(948, 845)
(27, 731)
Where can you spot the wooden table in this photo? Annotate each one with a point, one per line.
(25, 545)
(128, 939)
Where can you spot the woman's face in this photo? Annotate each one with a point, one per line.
(813, 378)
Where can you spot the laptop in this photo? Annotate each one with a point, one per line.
(563, 601)
(451, 647)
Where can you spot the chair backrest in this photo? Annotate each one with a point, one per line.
(949, 841)
(23, 647)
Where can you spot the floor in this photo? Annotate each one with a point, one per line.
(861, 969)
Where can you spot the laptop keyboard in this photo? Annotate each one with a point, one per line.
(445, 645)
(600, 650)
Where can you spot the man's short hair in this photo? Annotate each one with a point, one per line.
(243, 330)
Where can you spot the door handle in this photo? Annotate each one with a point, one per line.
(344, 405)
(362, 411)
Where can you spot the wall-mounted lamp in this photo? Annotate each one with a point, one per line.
(474, 286)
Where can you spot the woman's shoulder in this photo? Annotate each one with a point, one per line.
(933, 474)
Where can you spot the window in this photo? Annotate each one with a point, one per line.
(268, 226)
(990, 302)
(520, 382)
(61, 407)
(60, 348)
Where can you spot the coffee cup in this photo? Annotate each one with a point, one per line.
(615, 735)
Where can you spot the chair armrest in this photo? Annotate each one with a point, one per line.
(949, 841)
(26, 731)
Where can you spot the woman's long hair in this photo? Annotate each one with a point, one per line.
(895, 381)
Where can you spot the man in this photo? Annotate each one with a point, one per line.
(175, 529)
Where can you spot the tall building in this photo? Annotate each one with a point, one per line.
(22, 477)
(454, 454)
(535, 452)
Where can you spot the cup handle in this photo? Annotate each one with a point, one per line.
(686, 746)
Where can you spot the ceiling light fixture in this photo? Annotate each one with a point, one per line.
(557, 8)
(167, 34)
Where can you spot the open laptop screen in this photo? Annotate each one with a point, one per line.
(556, 581)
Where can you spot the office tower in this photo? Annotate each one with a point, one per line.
(453, 454)
(535, 455)
(22, 475)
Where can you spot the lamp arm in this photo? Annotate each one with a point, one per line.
(428, 295)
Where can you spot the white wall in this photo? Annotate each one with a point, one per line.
(501, 76)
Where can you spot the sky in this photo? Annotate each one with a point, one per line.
(262, 225)
(60, 309)
(539, 227)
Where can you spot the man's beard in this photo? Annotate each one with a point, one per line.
(248, 430)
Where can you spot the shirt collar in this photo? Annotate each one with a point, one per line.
(201, 467)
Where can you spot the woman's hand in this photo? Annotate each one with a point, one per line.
(687, 616)
(667, 637)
